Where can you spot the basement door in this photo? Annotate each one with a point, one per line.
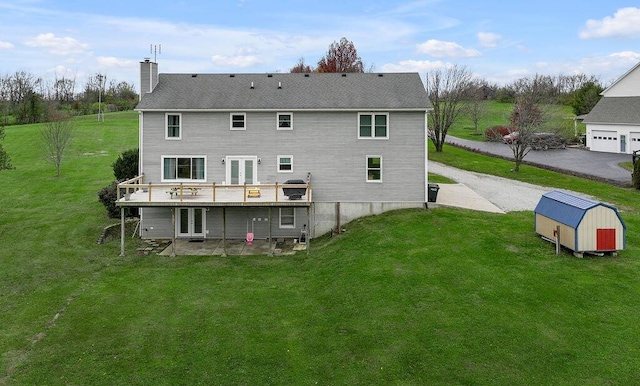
(190, 222)
(242, 170)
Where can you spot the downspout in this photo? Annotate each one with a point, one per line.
(426, 156)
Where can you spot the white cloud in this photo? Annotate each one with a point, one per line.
(56, 45)
(488, 39)
(440, 49)
(625, 22)
(113, 62)
(420, 66)
(238, 61)
(5, 45)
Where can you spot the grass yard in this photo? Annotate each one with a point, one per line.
(410, 297)
(497, 114)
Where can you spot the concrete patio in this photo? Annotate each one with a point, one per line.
(210, 247)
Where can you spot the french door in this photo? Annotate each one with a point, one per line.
(190, 222)
(242, 170)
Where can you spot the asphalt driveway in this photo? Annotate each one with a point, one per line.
(578, 161)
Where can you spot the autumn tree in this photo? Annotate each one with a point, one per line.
(301, 67)
(448, 91)
(341, 57)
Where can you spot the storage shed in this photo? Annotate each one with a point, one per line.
(585, 225)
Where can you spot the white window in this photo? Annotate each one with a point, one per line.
(173, 129)
(285, 121)
(287, 217)
(183, 168)
(372, 125)
(285, 164)
(374, 168)
(238, 121)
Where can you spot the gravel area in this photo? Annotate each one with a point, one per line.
(508, 195)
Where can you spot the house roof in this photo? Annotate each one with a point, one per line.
(286, 91)
(567, 208)
(620, 79)
(615, 110)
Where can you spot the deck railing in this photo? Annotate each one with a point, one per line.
(189, 191)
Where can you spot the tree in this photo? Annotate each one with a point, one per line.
(5, 160)
(301, 67)
(586, 97)
(341, 57)
(56, 136)
(447, 89)
(526, 117)
(477, 104)
(126, 166)
(531, 112)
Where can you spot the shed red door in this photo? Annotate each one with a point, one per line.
(606, 239)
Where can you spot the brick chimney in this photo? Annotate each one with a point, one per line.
(148, 76)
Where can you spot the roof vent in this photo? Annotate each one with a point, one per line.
(344, 75)
(279, 84)
(381, 75)
(194, 75)
(269, 76)
(306, 75)
(252, 85)
(232, 75)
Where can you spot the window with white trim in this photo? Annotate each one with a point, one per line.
(285, 163)
(238, 121)
(288, 217)
(183, 168)
(173, 128)
(285, 121)
(373, 125)
(374, 168)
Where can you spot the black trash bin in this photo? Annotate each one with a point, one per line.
(433, 192)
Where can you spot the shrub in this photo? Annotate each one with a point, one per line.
(495, 133)
(108, 196)
(126, 166)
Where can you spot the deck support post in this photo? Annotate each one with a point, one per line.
(224, 232)
(308, 229)
(270, 233)
(173, 235)
(122, 232)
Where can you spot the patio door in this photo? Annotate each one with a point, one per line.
(190, 222)
(242, 170)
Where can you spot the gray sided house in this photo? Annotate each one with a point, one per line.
(224, 155)
(613, 125)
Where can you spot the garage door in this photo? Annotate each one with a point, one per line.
(634, 141)
(604, 140)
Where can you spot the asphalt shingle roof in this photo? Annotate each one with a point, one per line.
(564, 207)
(615, 110)
(285, 91)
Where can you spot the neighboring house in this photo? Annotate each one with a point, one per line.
(613, 125)
(215, 150)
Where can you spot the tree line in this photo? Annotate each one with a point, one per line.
(27, 98)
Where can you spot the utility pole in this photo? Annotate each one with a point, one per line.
(102, 79)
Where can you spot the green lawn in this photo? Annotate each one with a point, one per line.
(410, 297)
(497, 114)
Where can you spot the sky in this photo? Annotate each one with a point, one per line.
(497, 40)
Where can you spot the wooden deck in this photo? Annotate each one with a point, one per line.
(134, 193)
